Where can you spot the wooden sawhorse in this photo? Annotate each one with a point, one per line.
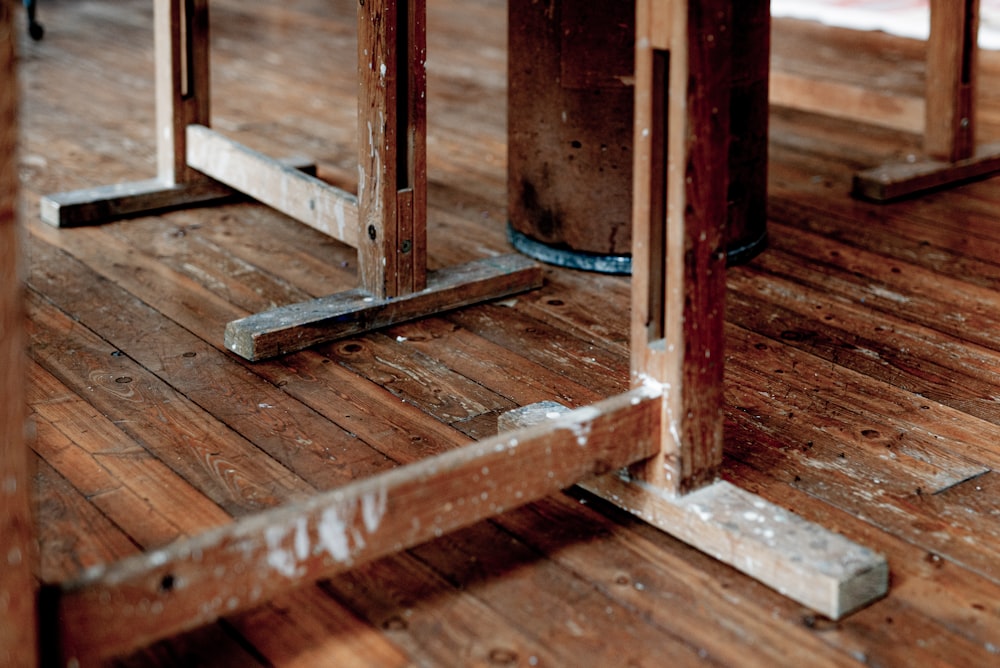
(655, 450)
(952, 154)
(386, 222)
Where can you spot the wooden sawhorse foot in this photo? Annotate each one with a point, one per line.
(952, 155)
(802, 560)
(386, 221)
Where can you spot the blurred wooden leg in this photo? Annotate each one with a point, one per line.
(18, 598)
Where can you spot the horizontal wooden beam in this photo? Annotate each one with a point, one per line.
(93, 206)
(298, 326)
(802, 560)
(897, 180)
(303, 197)
(855, 102)
(114, 609)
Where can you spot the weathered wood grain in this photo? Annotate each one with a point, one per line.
(946, 599)
(182, 97)
(308, 627)
(803, 561)
(251, 405)
(392, 133)
(414, 605)
(952, 80)
(137, 492)
(571, 617)
(896, 180)
(192, 442)
(645, 569)
(678, 248)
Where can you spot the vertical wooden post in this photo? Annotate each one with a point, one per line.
(679, 258)
(392, 127)
(18, 613)
(181, 43)
(952, 60)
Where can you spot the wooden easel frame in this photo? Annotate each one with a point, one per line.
(386, 222)
(654, 450)
(952, 153)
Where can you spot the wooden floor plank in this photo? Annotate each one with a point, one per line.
(562, 612)
(907, 430)
(309, 628)
(924, 583)
(417, 608)
(659, 576)
(192, 442)
(72, 534)
(276, 423)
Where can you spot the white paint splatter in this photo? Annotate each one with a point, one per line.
(373, 509)
(332, 532)
(301, 539)
(278, 557)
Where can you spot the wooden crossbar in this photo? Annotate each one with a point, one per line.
(78, 208)
(111, 610)
(180, 30)
(293, 192)
(895, 180)
(804, 561)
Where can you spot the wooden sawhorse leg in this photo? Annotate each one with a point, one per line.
(953, 155)
(386, 222)
(18, 631)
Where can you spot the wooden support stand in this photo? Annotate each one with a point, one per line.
(952, 155)
(182, 97)
(678, 292)
(655, 450)
(386, 222)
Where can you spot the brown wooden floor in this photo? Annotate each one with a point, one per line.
(863, 373)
